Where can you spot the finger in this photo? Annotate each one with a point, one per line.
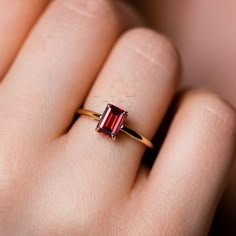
(16, 20)
(190, 173)
(57, 65)
(140, 76)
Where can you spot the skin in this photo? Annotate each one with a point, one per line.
(204, 33)
(59, 177)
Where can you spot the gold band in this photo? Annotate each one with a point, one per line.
(133, 134)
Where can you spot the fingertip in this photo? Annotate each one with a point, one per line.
(215, 109)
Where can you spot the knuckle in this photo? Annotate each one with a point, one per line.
(154, 48)
(88, 8)
(215, 111)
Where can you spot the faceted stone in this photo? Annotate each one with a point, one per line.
(111, 121)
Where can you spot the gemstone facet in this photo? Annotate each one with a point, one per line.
(111, 121)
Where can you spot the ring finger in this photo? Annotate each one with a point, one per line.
(140, 76)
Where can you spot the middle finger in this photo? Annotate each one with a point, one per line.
(56, 67)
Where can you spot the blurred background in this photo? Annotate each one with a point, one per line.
(204, 31)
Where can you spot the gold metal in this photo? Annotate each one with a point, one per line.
(113, 137)
(131, 133)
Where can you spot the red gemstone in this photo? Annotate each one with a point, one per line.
(111, 121)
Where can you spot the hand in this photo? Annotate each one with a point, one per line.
(59, 177)
(205, 36)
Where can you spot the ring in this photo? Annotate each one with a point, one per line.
(111, 122)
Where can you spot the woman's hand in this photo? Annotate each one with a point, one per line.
(62, 179)
(204, 33)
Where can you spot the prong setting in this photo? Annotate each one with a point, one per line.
(125, 113)
(120, 128)
(111, 121)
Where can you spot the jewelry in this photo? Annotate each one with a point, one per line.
(111, 122)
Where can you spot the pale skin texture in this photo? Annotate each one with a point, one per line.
(58, 179)
(204, 32)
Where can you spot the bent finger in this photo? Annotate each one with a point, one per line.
(192, 169)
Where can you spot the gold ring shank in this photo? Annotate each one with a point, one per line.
(131, 133)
